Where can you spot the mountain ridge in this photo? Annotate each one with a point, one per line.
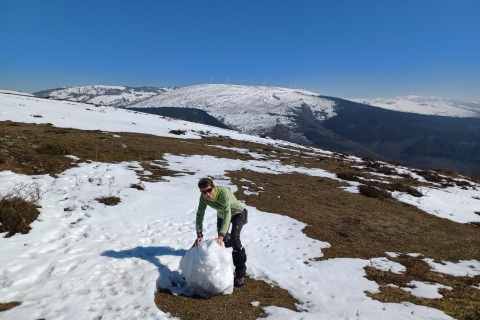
(336, 124)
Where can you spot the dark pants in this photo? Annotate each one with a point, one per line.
(233, 240)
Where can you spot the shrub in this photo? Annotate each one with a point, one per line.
(348, 176)
(371, 163)
(178, 132)
(374, 192)
(387, 171)
(19, 208)
(109, 200)
(138, 186)
(463, 183)
(429, 175)
(407, 189)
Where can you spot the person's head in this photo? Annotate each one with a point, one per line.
(207, 187)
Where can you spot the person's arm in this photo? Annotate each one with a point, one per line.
(202, 205)
(225, 201)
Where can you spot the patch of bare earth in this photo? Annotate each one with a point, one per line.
(235, 306)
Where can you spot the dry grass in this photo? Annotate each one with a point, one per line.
(235, 306)
(461, 302)
(356, 226)
(109, 200)
(9, 305)
(373, 226)
(19, 208)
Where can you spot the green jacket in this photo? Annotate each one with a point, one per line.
(226, 204)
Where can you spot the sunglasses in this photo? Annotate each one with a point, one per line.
(207, 190)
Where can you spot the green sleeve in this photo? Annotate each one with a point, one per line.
(202, 205)
(225, 200)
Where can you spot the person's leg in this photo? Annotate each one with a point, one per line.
(238, 254)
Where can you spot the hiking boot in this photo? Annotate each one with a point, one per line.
(238, 282)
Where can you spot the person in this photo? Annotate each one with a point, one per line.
(229, 210)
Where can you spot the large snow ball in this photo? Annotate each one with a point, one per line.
(208, 269)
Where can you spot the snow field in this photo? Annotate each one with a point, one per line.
(83, 259)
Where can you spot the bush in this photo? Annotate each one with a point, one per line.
(349, 176)
(109, 200)
(19, 208)
(407, 189)
(373, 192)
(178, 132)
(138, 186)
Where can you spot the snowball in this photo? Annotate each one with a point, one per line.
(208, 269)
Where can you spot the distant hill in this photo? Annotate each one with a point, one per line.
(426, 105)
(117, 96)
(415, 131)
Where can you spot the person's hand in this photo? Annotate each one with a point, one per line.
(219, 239)
(198, 240)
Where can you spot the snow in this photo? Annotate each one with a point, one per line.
(426, 105)
(105, 95)
(426, 290)
(16, 93)
(255, 303)
(208, 269)
(461, 269)
(248, 109)
(450, 203)
(94, 261)
(385, 264)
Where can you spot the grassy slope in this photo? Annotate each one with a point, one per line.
(355, 225)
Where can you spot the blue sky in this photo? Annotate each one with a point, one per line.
(343, 48)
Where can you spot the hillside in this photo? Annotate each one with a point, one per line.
(426, 132)
(330, 236)
(426, 105)
(117, 96)
(247, 109)
(412, 138)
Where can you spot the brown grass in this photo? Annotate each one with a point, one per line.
(19, 208)
(461, 302)
(356, 226)
(235, 306)
(9, 305)
(374, 226)
(16, 215)
(109, 200)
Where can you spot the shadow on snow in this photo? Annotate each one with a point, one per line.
(168, 281)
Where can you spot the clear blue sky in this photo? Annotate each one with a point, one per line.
(368, 48)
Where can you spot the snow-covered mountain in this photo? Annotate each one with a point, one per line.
(118, 96)
(426, 105)
(426, 132)
(248, 109)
